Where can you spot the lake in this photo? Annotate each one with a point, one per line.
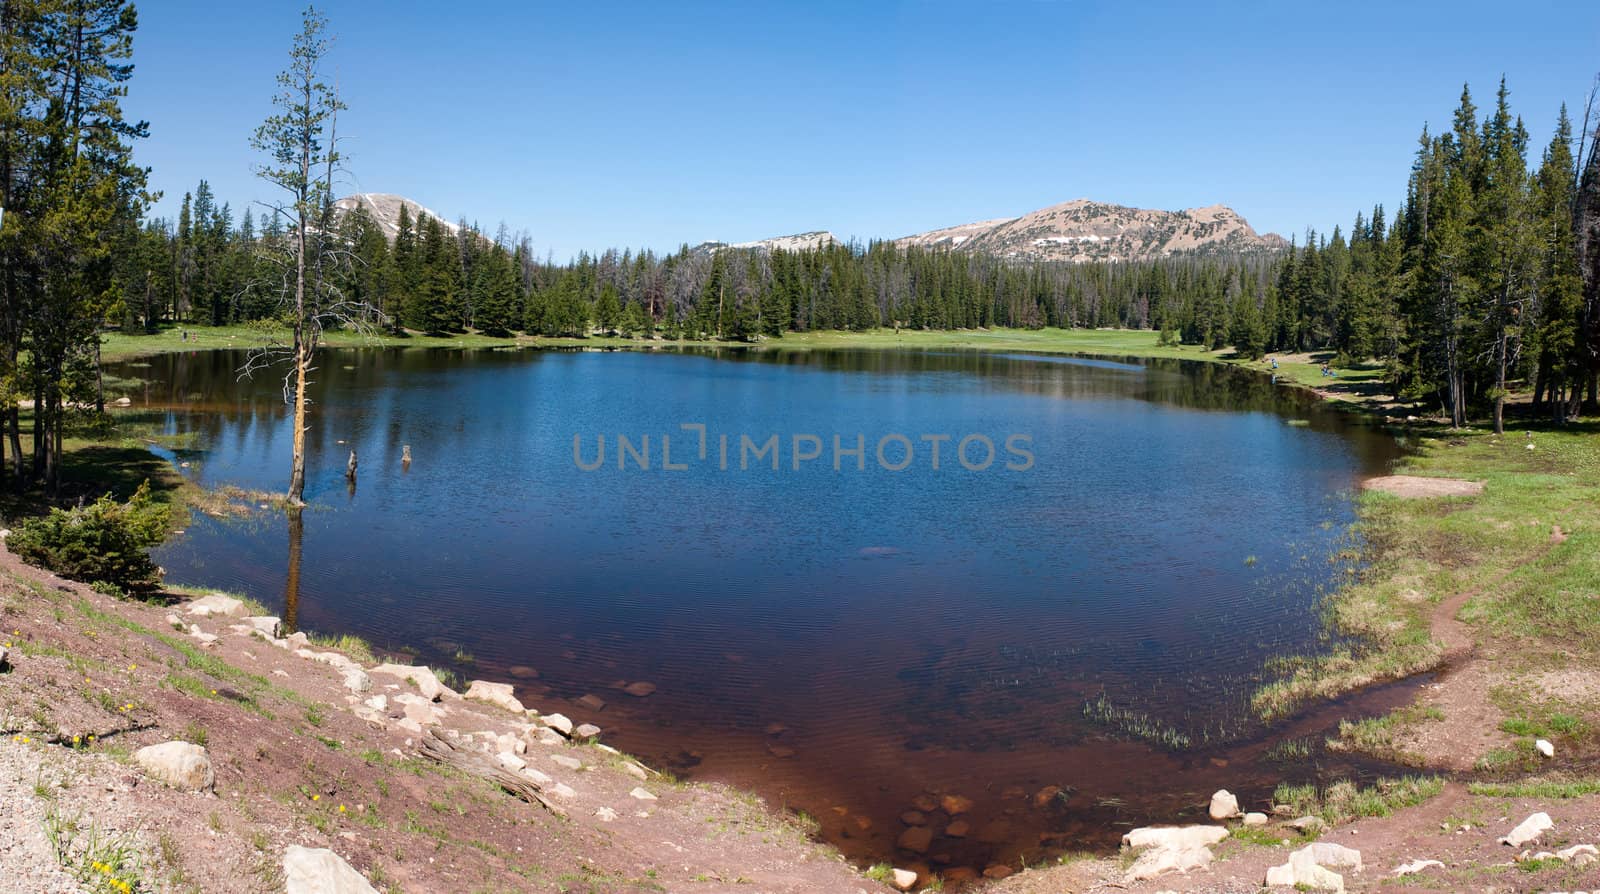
(1089, 610)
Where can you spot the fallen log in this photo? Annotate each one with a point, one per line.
(436, 747)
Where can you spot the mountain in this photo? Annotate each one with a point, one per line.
(385, 209)
(1085, 230)
(797, 242)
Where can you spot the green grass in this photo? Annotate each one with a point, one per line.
(1529, 594)
(1343, 801)
(1376, 735)
(1538, 789)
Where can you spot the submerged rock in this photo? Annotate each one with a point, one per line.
(915, 839)
(640, 689)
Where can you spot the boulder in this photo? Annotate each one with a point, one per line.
(123, 401)
(1162, 860)
(268, 626)
(1224, 805)
(500, 694)
(1335, 856)
(640, 689)
(558, 722)
(1303, 873)
(1255, 819)
(1544, 747)
(1529, 830)
(642, 794)
(423, 677)
(904, 879)
(915, 839)
(5, 656)
(1043, 797)
(320, 871)
(217, 605)
(356, 679)
(1178, 837)
(178, 764)
(591, 703)
(586, 731)
(297, 640)
(510, 761)
(635, 770)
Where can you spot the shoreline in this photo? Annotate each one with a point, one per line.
(1096, 343)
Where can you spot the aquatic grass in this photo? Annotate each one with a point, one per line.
(1102, 711)
(1377, 736)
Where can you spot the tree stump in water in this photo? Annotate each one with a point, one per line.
(405, 455)
(350, 467)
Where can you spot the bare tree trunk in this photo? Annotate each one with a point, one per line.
(1500, 388)
(291, 586)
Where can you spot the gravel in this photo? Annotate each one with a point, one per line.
(27, 862)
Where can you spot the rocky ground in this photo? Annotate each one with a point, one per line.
(307, 748)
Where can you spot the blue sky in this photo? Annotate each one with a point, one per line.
(591, 125)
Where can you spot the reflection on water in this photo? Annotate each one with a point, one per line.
(849, 642)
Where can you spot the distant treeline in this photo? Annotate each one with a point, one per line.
(1471, 286)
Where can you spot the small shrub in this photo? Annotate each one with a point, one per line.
(103, 543)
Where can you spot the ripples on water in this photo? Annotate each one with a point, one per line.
(841, 641)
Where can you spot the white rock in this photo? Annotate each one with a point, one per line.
(320, 871)
(1545, 748)
(635, 770)
(1177, 837)
(378, 702)
(1578, 850)
(356, 679)
(586, 731)
(297, 640)
(217, 605)
(500, 694)
(606, 814)
(559, 723)
(511, 761)
(1337, 856)
(1303, 872)
(1161, 860)
(5, 655)
(268, 626)
(1529, 830)
(537, 776)
(564, 790)
(1224, 805)
(1416, 866)
(905, 879)
(642, 795)
(1307, 825)
(178, 764)
(1255, 819)
(571, 763)
(423, 677)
